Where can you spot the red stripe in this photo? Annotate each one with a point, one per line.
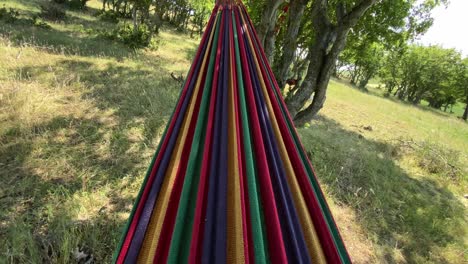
(136, 217)
(197, 233)
(275, 237)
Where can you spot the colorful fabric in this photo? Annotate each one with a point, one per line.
(230, 181)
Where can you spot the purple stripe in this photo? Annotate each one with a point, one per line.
(221, 209)
(211, 226)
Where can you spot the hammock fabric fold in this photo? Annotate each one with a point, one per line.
(230, 181)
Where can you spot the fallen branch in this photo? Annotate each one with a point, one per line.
(179, 79)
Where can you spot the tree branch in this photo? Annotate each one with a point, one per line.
(352, 17)
(319, 13)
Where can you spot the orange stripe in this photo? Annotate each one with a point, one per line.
(235, 242)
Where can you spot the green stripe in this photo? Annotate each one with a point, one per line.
(258, 228)
(180, 243)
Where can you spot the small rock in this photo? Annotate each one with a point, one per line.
(368, 128)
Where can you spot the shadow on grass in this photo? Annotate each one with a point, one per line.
(138, 95)
(190, 53)
(40, 224)
(412, 220)
(50, 164)
(79, 36)
(63, 42)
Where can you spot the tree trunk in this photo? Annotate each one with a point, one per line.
(135, 19)
(316, 57)
(354, 74)
(329, 41)
(296, 10)
(363, 82)
(269, 45)
(465, 114)
(266, 28)
(321, 82)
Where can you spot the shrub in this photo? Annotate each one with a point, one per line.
(109, 16)
(72, 4)
(9, 15)
(36, 21)
(77, 4)
(436, 159)
(12, 16)
(53, 12)
(440, 160)
(139, 38)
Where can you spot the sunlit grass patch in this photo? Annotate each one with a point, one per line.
(79, 125)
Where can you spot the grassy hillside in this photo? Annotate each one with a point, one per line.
(80, 117)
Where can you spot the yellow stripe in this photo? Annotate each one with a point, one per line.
(310, 235)
(235, 241)
(151, 240)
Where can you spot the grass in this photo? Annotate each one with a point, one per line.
(379, 181)
(80, 118)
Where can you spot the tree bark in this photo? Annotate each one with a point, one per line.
(296, 10)
(321, 82)
(465, 114)
(329, 41)
(316, 57)
(266, 28)
(269, 45)
(134, 17)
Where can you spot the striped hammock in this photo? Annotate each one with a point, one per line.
(230, 181)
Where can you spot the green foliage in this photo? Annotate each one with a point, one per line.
(36, 21)
(12, 16)
(109, 16)
(9, 15)
(51, 11)
(141, 37)
(255, 9)
(387, 26)
(361, 60)
(72, 4)
(433, 74)
(134, 38)
(77, 4)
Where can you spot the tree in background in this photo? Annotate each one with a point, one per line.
(321, 29)
(362, 61)
(201, 12)
(433, 74)
(462, 82)
(148, 16)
